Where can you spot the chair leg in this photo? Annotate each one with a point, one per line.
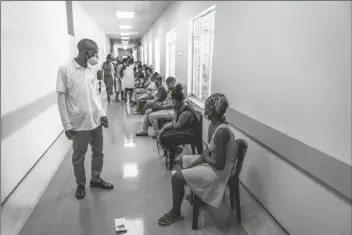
(237, 201)
(193, 149)
(232, 195)
(195, 215)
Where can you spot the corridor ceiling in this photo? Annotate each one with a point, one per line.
(104, 14)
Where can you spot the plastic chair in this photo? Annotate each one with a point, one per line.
(233, 183)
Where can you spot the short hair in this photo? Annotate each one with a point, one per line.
(170, 80)
(84, 44)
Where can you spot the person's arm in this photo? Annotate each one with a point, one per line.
(182, 120)
(221, 139)
(61, 102)
(158, 97)
(61, 89)
(101, 109)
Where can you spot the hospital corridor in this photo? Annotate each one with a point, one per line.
(176, 117)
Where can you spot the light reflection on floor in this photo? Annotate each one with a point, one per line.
(130, 170)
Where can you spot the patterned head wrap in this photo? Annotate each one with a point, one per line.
(216, 103)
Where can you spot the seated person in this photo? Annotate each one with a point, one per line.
(206, 175)
(155, 92)
(184, 126)
(139, 76)
(163, 111)
(144, 82)
(149, 84)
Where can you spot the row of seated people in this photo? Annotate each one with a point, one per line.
(206, 174)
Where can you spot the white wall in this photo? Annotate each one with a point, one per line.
(290, 68)
(85, 27)
(28, 68)
(34, 43)
(287, 65)
(32, 50)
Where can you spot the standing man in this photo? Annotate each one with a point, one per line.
(82, 114)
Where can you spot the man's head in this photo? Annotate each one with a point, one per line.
(88, 49)
(170, 83)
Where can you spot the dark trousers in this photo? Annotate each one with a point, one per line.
(171, 139)
(80, 147)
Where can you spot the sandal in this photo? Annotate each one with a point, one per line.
(142, 134)
(166, 220)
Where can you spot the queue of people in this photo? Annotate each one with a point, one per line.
(83, 118)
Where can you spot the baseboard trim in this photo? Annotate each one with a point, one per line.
(256, 220)
(21, 202)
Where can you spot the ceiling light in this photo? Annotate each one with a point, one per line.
(124, 14)
(125, 34)
(125, 27)
(125, 38)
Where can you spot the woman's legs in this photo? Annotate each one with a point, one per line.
(142, 97)
(171, 140)
(178, 183)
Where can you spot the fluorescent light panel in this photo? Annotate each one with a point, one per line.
(125, 34)
(125, 27)
(125, 38)
(125, 14)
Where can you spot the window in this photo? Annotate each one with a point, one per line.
(157, 55)
(145, 54)
(150, 53)
(202, 46)
(142, 55)
(170, 53)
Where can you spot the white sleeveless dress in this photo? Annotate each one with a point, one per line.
(206, 182)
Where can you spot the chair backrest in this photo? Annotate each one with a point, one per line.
(199, 124)
(241, 146)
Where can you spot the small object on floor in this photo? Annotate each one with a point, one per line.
(80, 192)
(117, 100)
(142, 134)
(120, 225)
(154, 137)
(101, 184)
(136, 113)
(188, 197)
(166, 220)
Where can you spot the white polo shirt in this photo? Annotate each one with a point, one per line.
(82, 99)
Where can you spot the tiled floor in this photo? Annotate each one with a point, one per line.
(142, 191)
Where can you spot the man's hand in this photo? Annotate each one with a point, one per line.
(70, 134)
(104, 122)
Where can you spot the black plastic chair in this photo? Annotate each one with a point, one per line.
(233, 183)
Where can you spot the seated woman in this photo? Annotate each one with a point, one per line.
(184, 126)
(155, 92)
(206, 175)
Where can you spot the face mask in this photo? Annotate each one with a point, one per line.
(93, 61)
